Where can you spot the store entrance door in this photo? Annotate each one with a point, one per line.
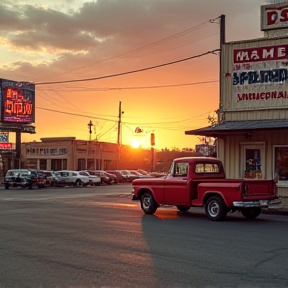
(253, 161)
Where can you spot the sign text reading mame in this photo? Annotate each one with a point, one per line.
(261, 54)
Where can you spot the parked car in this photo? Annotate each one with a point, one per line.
(25, 178)
(129, 175)
(112, 177)
(120, 177)
(105, 179)
(68, 177)
(139, 174)
(52, 178)
(94, 180)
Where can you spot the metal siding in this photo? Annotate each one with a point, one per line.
(227, 156)
(237, 158)
(221, 150)
(256, 115)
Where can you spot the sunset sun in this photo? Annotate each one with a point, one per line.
(135, 143)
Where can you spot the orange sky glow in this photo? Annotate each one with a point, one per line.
(70, 40)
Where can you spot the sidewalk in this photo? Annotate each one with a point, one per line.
(280, 209)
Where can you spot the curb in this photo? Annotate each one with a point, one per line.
(274, 211)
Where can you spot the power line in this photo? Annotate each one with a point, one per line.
(74, 114)
(128, 72)
(138, 87)
(143, 47)
(125, 123)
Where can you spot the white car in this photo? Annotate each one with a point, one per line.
(94, 179)
(74, 178)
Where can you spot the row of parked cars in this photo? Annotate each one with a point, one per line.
(32, 178)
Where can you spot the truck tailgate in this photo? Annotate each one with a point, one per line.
(259, 188)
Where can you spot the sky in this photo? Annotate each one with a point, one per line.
(121, 42)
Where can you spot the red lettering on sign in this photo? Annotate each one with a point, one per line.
(272, 17)
(276, 15)
(284, 15)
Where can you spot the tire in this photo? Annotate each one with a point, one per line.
(183, 208)
(148, 203)
(251, 213)
(215, 208)
(78, 183)
(33, 185)
(6, 186)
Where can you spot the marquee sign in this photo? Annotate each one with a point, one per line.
(274, 16)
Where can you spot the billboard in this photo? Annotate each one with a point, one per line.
(260, 77)
(17, 102)
(274, 16)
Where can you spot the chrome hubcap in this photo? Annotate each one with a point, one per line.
(146, 201)
(213, 208)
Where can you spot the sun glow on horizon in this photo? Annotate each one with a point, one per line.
(135, 143)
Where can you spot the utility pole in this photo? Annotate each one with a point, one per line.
(119, 132)
(119, 124)
(221, 72)
(90, 124)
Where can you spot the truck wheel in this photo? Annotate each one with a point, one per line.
(183, 208)
(251, 213)
(215, 208)
(148, 203)
(7, 186)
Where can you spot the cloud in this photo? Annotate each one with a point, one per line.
(127, 21)
(103, 29)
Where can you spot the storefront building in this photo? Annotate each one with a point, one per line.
(68, 153)
(252, 128)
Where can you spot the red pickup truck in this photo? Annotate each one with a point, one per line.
(200, 181)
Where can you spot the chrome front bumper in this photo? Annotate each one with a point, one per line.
(258, 203)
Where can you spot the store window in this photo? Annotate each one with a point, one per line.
(90, 164)
(81, 164)
(281, 163)
(56, 164)
(64, 164)
(253, 162)
(43, 164)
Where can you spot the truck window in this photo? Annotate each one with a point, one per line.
(207, 168)
(181, 169)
